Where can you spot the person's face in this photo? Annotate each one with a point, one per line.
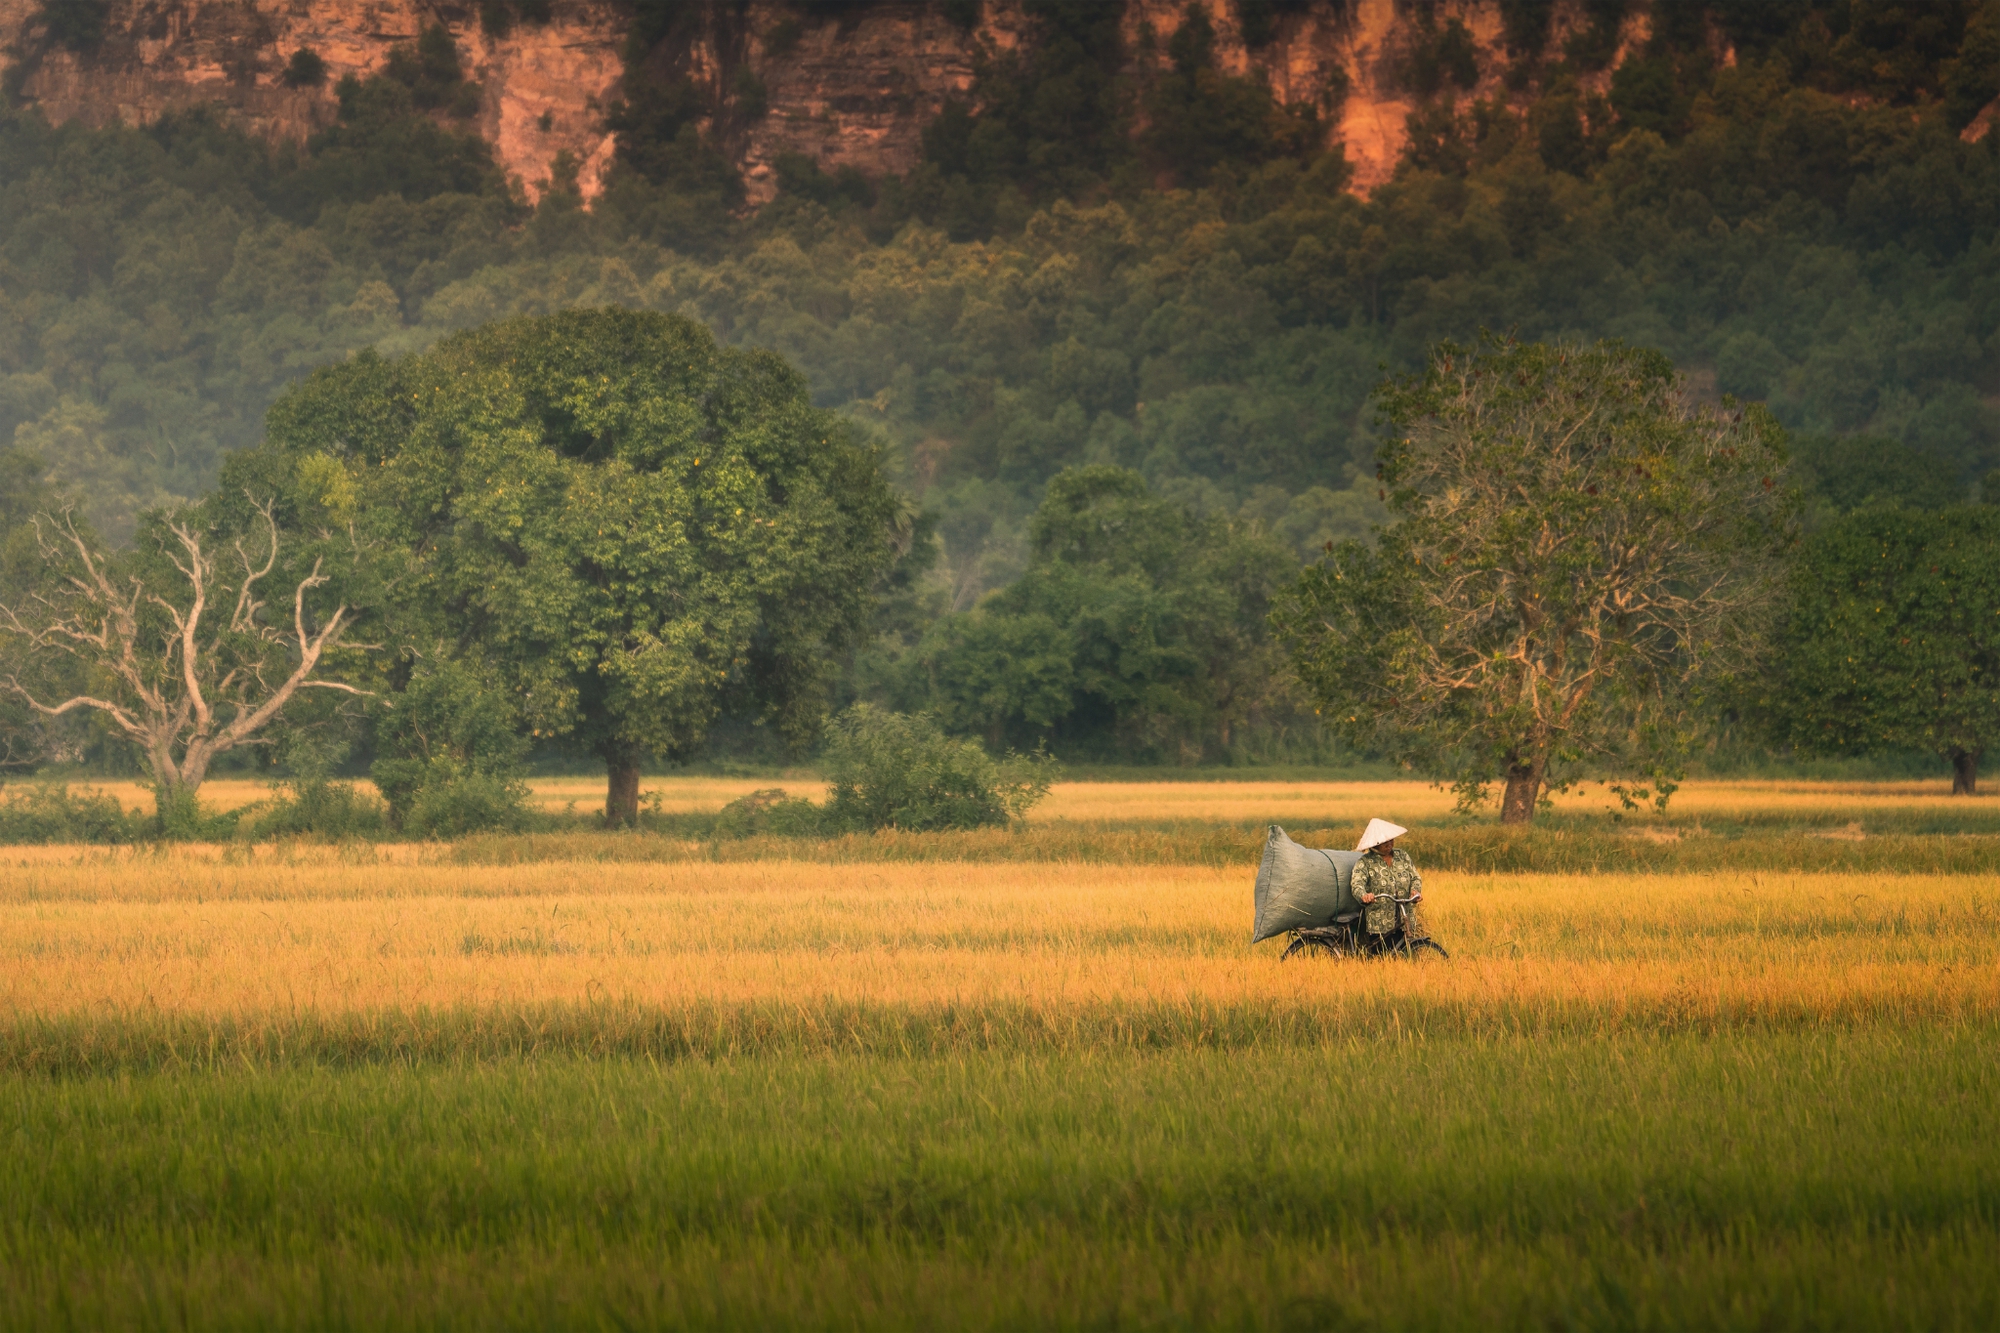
(1388, 849)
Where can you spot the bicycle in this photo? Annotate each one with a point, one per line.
(1345, 938)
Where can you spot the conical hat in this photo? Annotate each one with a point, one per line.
(1378, 832)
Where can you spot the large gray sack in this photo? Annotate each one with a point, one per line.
(1301, 886)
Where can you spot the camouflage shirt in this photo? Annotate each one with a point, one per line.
(1388, 879)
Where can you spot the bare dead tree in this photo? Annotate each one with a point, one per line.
(191, 662)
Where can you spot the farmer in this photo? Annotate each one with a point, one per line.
(1383, 874)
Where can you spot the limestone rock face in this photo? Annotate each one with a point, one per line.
(854, 90)
(859, 93)
(164, 55)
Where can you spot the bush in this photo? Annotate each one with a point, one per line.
(321, 809)
(178, 817)
(48, 812)
(306, 70)
(451, 753)
(451, 800)
(895, 770)
(770, 812)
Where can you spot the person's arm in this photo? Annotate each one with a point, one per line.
(1363, 881)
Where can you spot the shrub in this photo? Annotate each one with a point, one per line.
(317, 808)
(451, 753)
(178, 817)
(770, 812)
(895, 770)
(306, 70)
(75, 25)
(452, 800)
(49, 812)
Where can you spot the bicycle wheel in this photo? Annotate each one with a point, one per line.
(1313, 944)
(1417, 948)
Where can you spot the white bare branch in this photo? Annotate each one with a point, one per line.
(161, 643)
(247, 605)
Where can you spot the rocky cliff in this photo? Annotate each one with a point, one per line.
(543, 86)
(850, 88)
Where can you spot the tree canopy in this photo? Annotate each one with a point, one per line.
(1893, 638)
(638, 527)
(1137, 629)
(1115, 252)
(25, 735)
(1804, 228)
(1575, 552)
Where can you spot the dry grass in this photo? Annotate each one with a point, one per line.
(217, 794)
(677, 795)
(1058, 920)
(169, 935)
(671, 795)
(1023, 1083)
(1316, 804)
(1339, 804)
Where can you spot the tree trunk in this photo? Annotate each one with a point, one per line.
(1964, 772)
(1524, 788)
(621, 799)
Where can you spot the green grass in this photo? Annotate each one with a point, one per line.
(1786, 1153)
(93, 1046)
(1751, 1178)
(1960, 843)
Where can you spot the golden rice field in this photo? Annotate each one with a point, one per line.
(1315, 804)
(396, 1086)
(219, 940)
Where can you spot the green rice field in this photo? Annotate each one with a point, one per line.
(401, 1088)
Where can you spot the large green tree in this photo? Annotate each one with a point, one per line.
(1575, 550)
(640, 529)
(1138, 627)
(1893, 638)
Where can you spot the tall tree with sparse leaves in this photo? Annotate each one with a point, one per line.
(1576, 552)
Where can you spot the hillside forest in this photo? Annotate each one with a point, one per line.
(1150, 292)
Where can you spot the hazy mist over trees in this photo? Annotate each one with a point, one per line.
(1161, 275)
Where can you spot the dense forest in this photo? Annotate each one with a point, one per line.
(1159, 278)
